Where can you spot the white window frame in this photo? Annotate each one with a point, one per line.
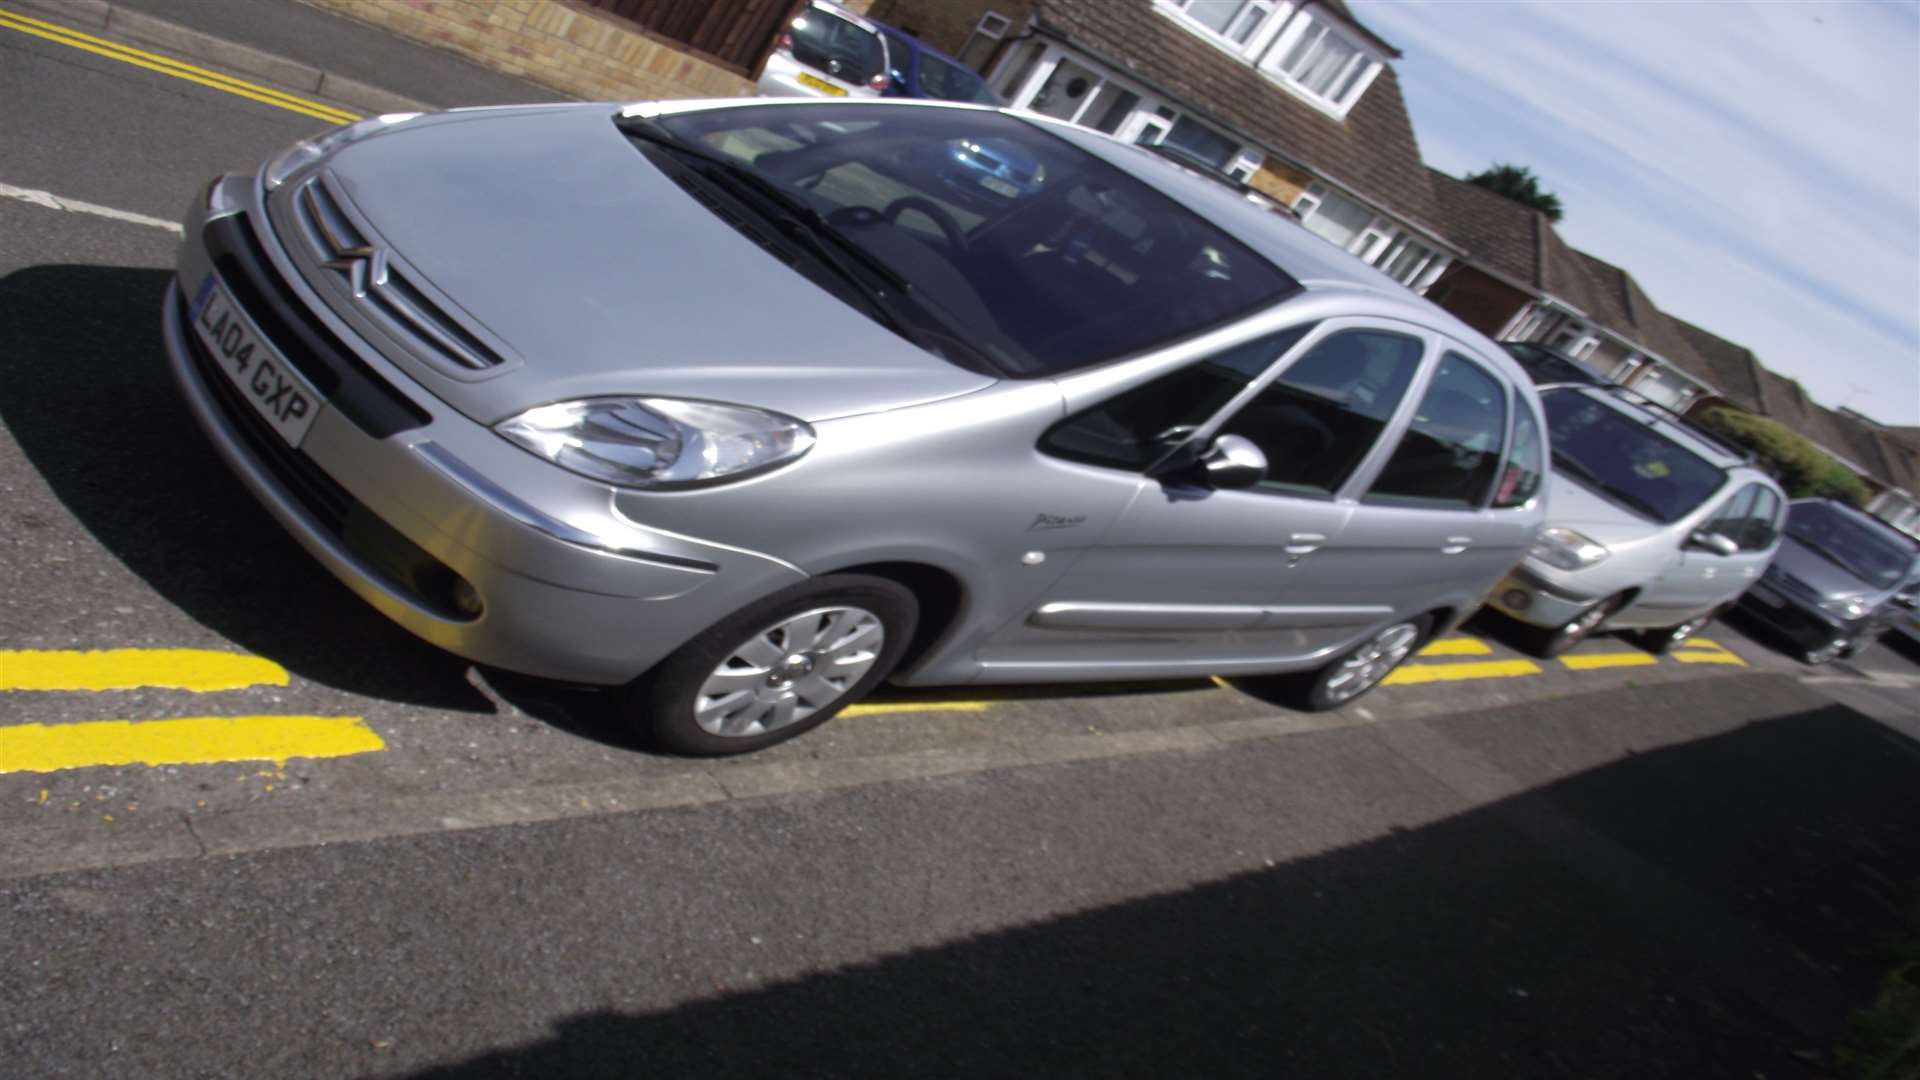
(991, 26)
(1297, 25)
(1257, 35)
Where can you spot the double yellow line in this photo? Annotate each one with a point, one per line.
(166, 65)
(197, 740)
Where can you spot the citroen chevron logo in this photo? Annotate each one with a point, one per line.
(361, 263)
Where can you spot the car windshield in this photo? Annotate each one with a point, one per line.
(1854, 545)
(836, 46)
(1626, 460)
(1039, 255)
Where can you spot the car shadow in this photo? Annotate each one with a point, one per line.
(86, 393)
(1715, 908)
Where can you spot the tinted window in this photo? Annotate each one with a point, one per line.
(826, 41)
(940, 79)
(1062, 260)
(1624, 459)
(1520, 480)
(1325, 411)
(1137, 427)
(1747, 518)
(1863, 549)
(1451, 450)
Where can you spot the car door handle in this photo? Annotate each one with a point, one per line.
(1456, 544)
(1304, 543)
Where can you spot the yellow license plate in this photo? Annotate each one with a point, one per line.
(821, 85)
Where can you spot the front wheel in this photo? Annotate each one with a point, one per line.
(777, 668)
(1659, 642)
(1550, 641)
(1356, 671)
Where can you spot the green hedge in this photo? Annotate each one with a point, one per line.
(1801, 467)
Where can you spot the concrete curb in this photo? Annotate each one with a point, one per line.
(238, 59)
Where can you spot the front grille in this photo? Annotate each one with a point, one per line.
(400, 564)
(342, 378)
(398, 304)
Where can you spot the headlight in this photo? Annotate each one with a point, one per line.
(1850, 608)
(1567, 549)
(658, 442)
(307, 151)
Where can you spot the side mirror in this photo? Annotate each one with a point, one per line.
(1233, 462)
(1714, 542)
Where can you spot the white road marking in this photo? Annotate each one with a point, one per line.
(74, 206)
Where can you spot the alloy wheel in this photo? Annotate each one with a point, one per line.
(1825, 653)
(1371, 662)
(788, 671)
(1577, 630)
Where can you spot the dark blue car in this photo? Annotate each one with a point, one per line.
(922, 72)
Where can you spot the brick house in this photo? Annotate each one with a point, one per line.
(1297, 99)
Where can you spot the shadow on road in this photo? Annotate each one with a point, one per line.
(85, 391)
(1711, 909)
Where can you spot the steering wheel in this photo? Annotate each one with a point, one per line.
(949, 228)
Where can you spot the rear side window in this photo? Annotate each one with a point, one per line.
(1318, 419)
(830, 43)
(1451, 450)
(1520, 479)
(1137, 427)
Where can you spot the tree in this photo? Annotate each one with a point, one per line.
(1518, 183)
(1802, 468)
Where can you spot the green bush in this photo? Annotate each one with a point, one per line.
(1801, 467)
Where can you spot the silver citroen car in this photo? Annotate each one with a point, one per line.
(1657, 525)
(743, 407)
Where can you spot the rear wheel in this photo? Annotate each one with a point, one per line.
(1356, 671)
(777, 668)
(1825, 653)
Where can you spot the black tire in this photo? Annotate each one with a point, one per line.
(1666, 639)
(663, 702)
(1310, 691)
(1548, 642)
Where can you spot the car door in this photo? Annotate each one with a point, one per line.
(1697, 580)
(1194, 579)
(1448, 512)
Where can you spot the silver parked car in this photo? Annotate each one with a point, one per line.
(828, 51)
(1656, 525)
(744, 407)
(1831, 589)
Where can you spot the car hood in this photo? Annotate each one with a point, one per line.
(603, 276)
(1573, 505)
(1819, 573)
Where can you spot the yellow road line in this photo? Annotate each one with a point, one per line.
(1607, 660)
(199, 670)
(193, 741)
(166, 65)
(1461, 646)
(1408, 674)
(889, 708)
(1702, 643)
(1707, 658)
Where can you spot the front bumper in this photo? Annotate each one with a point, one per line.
(403, 498)
(1805, 625)
(1530, 597)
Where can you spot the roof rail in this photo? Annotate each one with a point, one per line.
(1692, 427)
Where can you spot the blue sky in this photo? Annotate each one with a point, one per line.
(1756, 167)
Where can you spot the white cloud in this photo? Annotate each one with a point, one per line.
(1755, 167)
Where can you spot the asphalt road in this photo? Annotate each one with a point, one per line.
(1612, 866)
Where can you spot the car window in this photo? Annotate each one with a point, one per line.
(1318, 419)
(1037, 254)
(940, 79)
(831, 44)
(1520, 479)
(1624, 459)
(1451, 450)
(1135, 428)
(1747, 518)
(1867, 551)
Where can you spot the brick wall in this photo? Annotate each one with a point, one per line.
(943, 24)
(573, 50)
(1476, 299)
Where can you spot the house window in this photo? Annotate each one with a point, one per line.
(1201, 142)
(1407, 260)
(985, 38)
(1334, 218)
(1664, 386)
(1323, 63)
(1235, 20)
